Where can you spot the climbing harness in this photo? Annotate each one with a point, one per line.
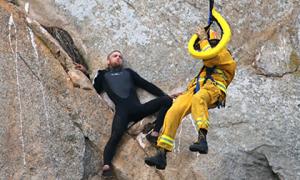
(225, 36)
(220, 85)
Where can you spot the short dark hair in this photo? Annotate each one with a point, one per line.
(112, 53)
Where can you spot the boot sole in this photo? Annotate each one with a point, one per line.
(201, 151)
(150, 163)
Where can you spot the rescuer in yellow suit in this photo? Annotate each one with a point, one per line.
(206, 90)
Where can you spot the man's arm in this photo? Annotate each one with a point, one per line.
(146, 85)
(98, 81)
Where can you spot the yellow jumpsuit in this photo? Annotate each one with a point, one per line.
(197, 104)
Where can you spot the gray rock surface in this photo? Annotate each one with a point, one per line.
(52, 129)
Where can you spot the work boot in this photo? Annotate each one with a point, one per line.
(159, 160)
(201, 145)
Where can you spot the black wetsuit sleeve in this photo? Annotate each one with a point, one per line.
(146, 85)
(99, 81)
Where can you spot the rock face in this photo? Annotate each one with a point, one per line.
(53, 126)
(42, 125)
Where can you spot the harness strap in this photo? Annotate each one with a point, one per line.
(210, 17)
(220, 85)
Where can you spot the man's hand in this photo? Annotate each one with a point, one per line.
(174, 96)
(81, 68)
(201, 33)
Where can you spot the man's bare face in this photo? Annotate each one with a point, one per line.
(115, 59)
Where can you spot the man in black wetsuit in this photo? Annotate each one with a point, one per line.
(120, 84)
